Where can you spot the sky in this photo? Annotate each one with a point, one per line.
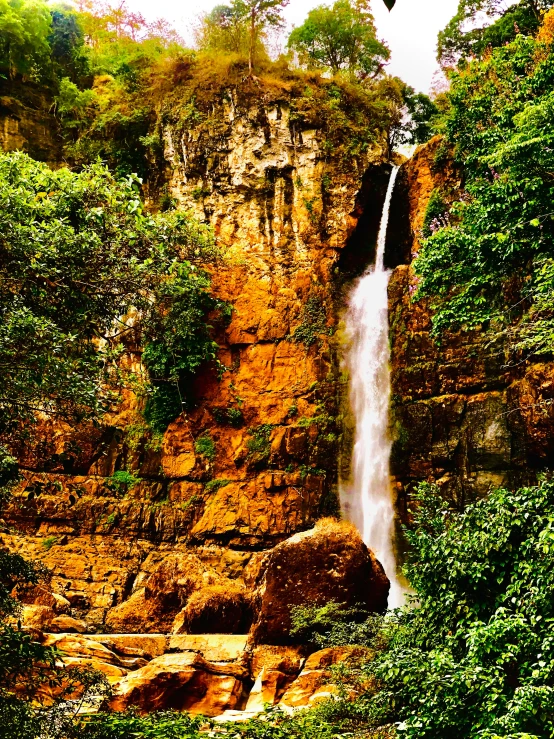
(410, 29)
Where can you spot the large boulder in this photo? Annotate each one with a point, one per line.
(315, 682)
(329, 562)
(181, 682)
(216, 609)
(181, 581)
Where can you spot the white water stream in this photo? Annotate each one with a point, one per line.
(367, 498)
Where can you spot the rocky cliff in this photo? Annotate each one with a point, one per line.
(466, 413)
(255, 460)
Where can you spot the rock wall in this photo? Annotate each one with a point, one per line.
(27, 123)
(282, 207)
(466, 414)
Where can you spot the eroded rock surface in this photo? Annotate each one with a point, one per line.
(330, 562)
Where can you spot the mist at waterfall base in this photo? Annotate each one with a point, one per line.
(366, 498)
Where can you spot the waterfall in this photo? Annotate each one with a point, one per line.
(367, 498)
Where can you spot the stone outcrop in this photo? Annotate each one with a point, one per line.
(283, 207)
(330, 562)
(182, 682)
(212, 675)
(26, 122)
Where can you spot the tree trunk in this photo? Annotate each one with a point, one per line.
(252, 34)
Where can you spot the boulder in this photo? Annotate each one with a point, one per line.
(183, 595)
(269, 687)
(64, 624)
(138, 614)
(80, 651)
(216, 609)
(315, 681)
(181, 682)
(37, 617)
(329, 562)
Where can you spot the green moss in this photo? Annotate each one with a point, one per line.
(214, 485)
(313, 323)
(205, 447)
(259, 445)
(121, 481)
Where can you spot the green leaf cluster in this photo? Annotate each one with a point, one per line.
(474, 656)
(341, 37)
(85, 274)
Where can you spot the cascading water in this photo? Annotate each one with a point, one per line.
(367, 498)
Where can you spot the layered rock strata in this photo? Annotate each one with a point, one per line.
(255, 460)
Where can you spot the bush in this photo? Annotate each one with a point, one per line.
(205, 446)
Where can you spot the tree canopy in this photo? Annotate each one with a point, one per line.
(479, 24)
(340, 38)
(78, 256)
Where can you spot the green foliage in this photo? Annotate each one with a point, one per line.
(481, 24)
(49, 542)
(313, 322)
(159, 725)
(121, 481)
(25, 27)
(232, 416)
(334, 625)
(80, 261)
(205, 446)
(164, 405)
(495, 251)
(225, 29)
(422, 115)
(212, 486)
(474, 655)
(340, 38)
(435, 213)
(258, 15)
(259, 444)
(273, 724)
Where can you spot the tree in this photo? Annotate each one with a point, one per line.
(78, 255)
(25, 26)
(223, 29)
(259, 15)
(493, 259)
(341, 38)
(467, 35)
(474, 657)
(67, 45)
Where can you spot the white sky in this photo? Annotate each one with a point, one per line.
(410, 29)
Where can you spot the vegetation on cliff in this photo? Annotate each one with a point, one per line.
(85, 275)
(491, 258)
(89, 280)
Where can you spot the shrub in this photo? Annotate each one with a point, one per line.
(205, 446)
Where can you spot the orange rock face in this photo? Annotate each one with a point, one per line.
(465, 414)
(282, 207)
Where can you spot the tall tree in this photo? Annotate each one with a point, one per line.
(260, 15)
(222, 29)
(341, 38)
(24, 29)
